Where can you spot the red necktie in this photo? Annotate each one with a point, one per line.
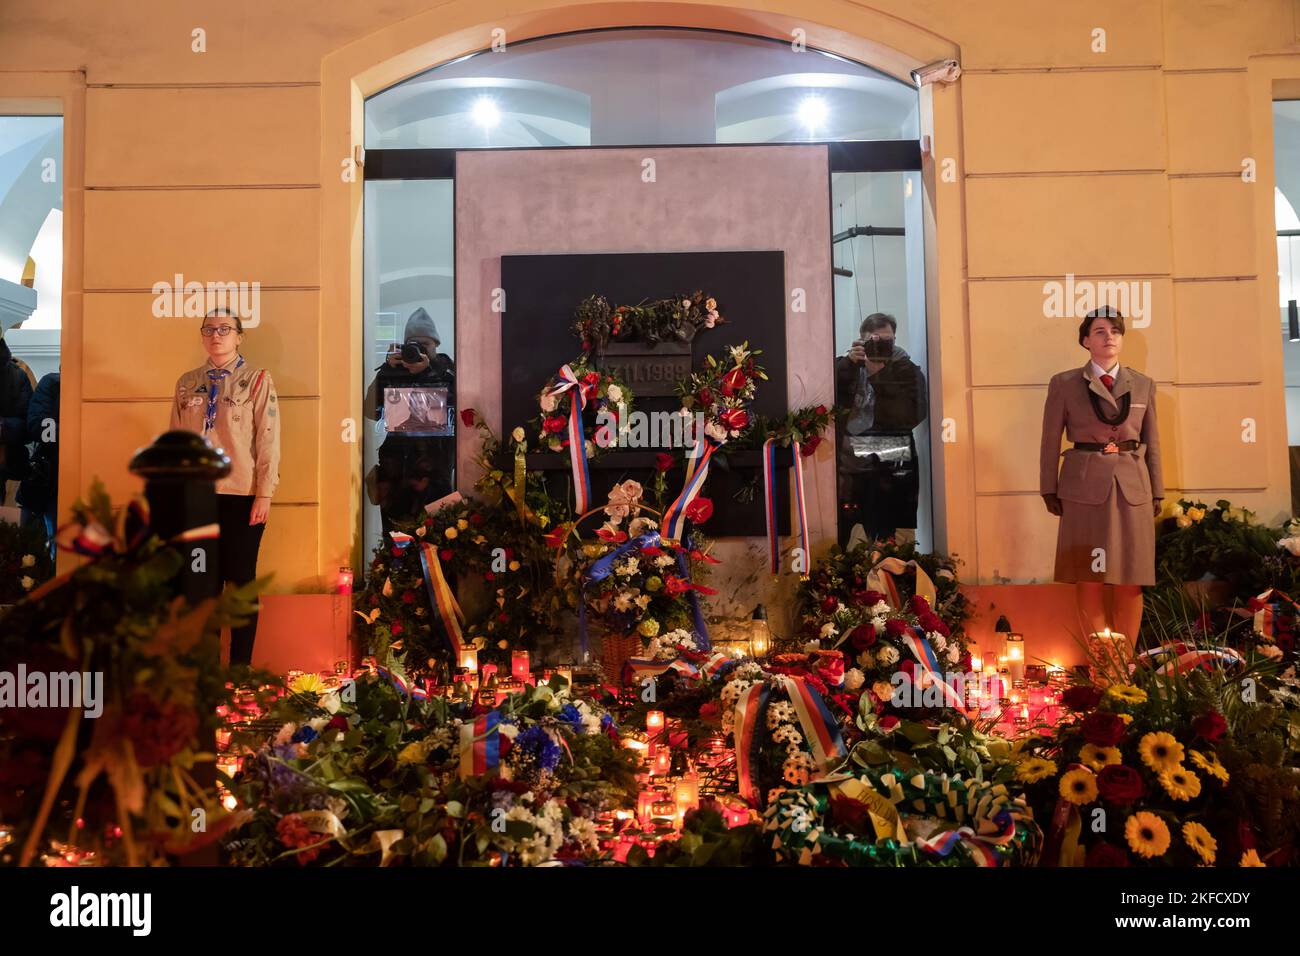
(1108, 381)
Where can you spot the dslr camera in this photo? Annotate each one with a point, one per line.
(878, 349)
(412, 353)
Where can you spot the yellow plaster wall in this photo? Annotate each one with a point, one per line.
(1119, 165)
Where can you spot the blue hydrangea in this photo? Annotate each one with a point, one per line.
(304, 735)
(569, 714)
(537, 743)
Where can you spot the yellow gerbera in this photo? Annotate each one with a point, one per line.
(1147, 834)
(1251, 858)
(1180, 783)
(1079, 786)
(1098, 757)
(1126, 694)
(1160, 751)
(1209, 762)
(1035, 769)
(1127, 718)
(1199, 839)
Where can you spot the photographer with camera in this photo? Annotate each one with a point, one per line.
(885, 394)
(415, 467)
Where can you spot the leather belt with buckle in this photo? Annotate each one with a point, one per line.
(1109, 448)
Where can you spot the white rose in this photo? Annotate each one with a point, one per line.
(27, 582)
(715, 431)
(828, 631)
(517, 434)
(853, 679)
(548, 402)
(614, 394)
(29, 560)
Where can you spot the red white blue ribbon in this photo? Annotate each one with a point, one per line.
(751, 708)
(769, 501)
(819, 727)
(697, 469)
(480, 745)
(440, 595)
(577, 443)
(924, 654)
(980, 846)
(1179, 658)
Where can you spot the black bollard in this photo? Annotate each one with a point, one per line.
(180, 471)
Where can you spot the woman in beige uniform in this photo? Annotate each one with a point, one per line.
(1109, 488)
(232, 403)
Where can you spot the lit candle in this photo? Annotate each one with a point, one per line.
(519, 667)
(566, 674)
(654, 722)
(663, 761)
(469, 659)
(1016, 656)
(344, 584)
(688, 792)
(976, 664)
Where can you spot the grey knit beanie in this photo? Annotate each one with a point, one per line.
(421, 323)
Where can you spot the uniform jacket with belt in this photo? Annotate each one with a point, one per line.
(1086, 477)
(247, 426)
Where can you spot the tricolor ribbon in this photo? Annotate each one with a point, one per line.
(750, 709)
(577, 443)
(924, 654)
(398, 680)
(697, 469)
(1179, 658)
(440, 594)
(769, 502)
(480, 745)
(819, 728)
(980, 845)
(881, 578)
(636, 670)
(1265, 621)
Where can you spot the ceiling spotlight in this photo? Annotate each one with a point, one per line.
(485, 113)
(813, 112)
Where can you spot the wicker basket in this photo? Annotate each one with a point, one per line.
(615, 649)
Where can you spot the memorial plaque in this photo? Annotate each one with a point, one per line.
(649, 370)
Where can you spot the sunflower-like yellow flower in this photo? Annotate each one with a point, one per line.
(1079, 786)
(309, 683)
(1180, 783)
(1035, 769)
(1160, 751)
(1251, 858)
(1196, 514)
(1209, 762)
(1126, 694)
(1147, 834)
(1199, 839)
(1097, 757)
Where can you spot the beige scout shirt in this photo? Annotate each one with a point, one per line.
(247, 426)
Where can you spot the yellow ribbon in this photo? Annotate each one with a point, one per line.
(884, 815)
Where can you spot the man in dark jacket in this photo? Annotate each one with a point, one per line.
(415, 467)
(15, 396)
(39, 494)
(886, 397)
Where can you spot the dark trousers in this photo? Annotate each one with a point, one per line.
(237, 559)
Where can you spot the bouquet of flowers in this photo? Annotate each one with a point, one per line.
(602, 397)
(596, 322)
(722, 391)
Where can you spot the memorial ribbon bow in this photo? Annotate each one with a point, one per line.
(440, 593)
(1179, 658)
(577, 444)
(697, 469)
(881, 578)
(480, 745)
(924, 654)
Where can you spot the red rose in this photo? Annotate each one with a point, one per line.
(705, 396)
(490, 575)
(889, 721)
(337, 722)
(709, 711)
(1119, 784)
(396, 628)
(445, 554)
(467, 416)
(397, 552)
(862, 637)
(820, 409)
(1210, 726)
(1106, 854)
(908, 667)
(591, 378)
(477, 519)
(929, 621)
(663, 461)
(896, 627)
(408, 597)
(700, 510)
(553, 425)
(503, 617)
(850, 814)
(734, 418)
(734, 381)
(1082, 697)
(810, 445)
(919, 605)
(1102, 729)
(829, 604)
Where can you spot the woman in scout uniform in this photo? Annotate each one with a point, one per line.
(232, 404)
(1109, 487)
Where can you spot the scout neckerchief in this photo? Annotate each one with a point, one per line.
(1124, 401)
(215, 375)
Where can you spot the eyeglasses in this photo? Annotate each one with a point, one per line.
(221, 330)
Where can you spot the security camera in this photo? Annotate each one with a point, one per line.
(940, 71)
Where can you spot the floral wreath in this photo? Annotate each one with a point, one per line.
(601, 391)
(596, 323)
(802, 425)
(722, 390)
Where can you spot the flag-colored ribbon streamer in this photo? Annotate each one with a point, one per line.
(568, 381)
(770, 508)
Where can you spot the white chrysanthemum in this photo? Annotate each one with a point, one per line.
(642, 602)
(781, 712)
(880, 609)
(887, 656)
(749, 671)
(787, 734)
(628, 567)
(798, 767)
(854, 678)
(828, 631)
(665, 560)
(583, 832)
(732, 690)
(623, 601)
